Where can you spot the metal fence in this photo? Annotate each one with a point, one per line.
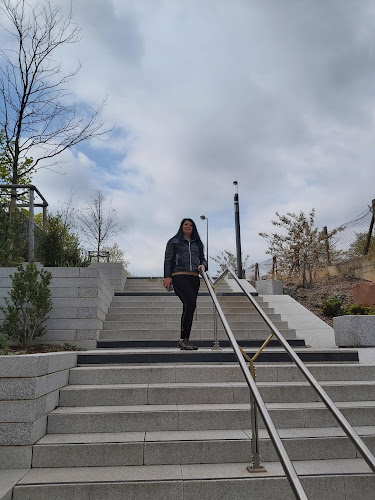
(351, 238)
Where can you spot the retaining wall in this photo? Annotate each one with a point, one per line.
(360, 267)
(81, 298)
(114, 272)
(29, 390)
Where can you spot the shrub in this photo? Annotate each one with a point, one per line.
(4, 343)
(13, 238)
(334, 306)
(28, 306)
(58, 247)
(355, 309)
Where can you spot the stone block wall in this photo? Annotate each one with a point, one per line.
(360, 267)
(29, 390)
(269, 287)
(81, 298)
(114, 272)
(354, 331)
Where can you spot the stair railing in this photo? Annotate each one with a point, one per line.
(256, 401)
(330, 405)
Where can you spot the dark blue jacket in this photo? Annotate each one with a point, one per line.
(183, 255)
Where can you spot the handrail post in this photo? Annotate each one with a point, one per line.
(216, 346)
(31, 225)
(44, 217)
(255, 456)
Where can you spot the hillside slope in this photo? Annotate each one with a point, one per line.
(323, 289)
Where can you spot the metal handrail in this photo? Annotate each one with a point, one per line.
(30, 205)
(344, 424)
(286, 463)
(27, 186)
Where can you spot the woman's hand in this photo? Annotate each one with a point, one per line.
(167, 283)
(201, 268)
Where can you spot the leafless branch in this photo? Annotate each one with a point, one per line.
(33, 111)
(98, 220)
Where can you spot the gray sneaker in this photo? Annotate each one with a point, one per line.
(186, 346)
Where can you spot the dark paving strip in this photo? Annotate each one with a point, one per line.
(166, 294)
(210, 357)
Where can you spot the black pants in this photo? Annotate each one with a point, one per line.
(186, 288)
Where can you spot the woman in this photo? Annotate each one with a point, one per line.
(184, 258)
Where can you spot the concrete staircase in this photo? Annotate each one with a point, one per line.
(142, 326)
(167, 424)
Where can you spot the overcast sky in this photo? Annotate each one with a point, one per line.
(276, 94)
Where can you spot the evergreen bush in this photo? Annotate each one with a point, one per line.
(4, 343)
(359, 309)
(13, 238)
(58, 247)
(334, 306)
(28, 305)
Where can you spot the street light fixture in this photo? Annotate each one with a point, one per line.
(238, 232)
(203, 217)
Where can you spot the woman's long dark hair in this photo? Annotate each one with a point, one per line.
(194, 234)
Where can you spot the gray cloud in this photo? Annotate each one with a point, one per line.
(277, 95)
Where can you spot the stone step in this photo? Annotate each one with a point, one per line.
(334, 479)
(205, 312)
(187, 373)
(214, 393)
(186, 417)
(199, 447)
(187, 482)
(201, 316)
(126, 344)
(196, 333)
(174, 322)
(224, 355)
(232, 298)
(135, 307)
(176, 304)
(159, 286)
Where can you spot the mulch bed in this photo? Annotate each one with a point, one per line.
(39, 348)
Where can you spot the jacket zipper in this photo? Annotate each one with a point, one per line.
(191, 266)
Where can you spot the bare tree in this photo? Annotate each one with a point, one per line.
(98, 222)
(117, 255)
(228, 259)
(300, 250)
(34, 109)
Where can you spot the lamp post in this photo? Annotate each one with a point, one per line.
(203, 217)
(238, 232)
